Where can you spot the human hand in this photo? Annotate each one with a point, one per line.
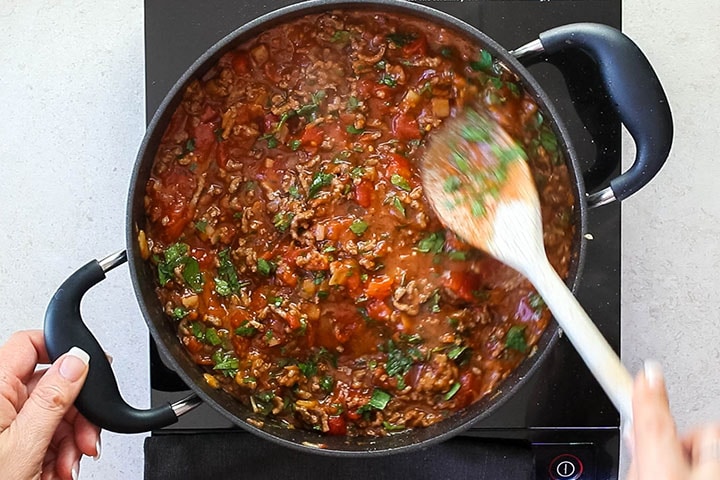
(658, 452)
(42, 436)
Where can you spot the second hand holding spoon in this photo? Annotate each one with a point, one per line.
(479, 183)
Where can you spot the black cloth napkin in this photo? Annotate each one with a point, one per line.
(231, 455)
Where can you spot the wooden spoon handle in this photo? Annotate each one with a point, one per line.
(597, 354)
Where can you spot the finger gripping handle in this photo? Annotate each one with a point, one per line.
(99, 400)
(633, 88)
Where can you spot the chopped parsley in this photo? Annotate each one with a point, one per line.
(227, 281)
(266, 267)
(294, 191)
(398, 205)
(400, 182)
(484, 62)
(294, 144)
(358, 227)
(453, 390)
(433, 243)
(245, 330)
(282, 221)
(353, 103)
(515, 339)
(452, 184)
(226, 362)
(176, 255)
(387, 79)
(401, 39)
(378, 401)
(354, 131)
(319, 181)
(179, 312)
(201, 225)
(340, 36)
(271, 140)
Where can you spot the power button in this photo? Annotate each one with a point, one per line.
(566, 467)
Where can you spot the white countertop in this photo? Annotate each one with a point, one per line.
(72, 96)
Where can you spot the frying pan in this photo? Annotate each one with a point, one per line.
(631, 86)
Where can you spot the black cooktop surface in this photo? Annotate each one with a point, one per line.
(561, 408)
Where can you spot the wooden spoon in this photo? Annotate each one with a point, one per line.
(479, 183)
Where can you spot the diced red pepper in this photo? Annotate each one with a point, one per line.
(398, 165)
(312, 136)
(405, 128)
(364, 193)
(379, 287)
(337, 425)
(193, 344)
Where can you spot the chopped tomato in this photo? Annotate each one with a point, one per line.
(222, 155)
(337, 425)
(363, 193)
(312, 136)
(240, 63)
(378, 310)
(204, 139)
(398, 165)
(193, 344)
(461, 284)
(379, 287)
(286, 275)
(209, 114)
(406, 128)
(416, 47)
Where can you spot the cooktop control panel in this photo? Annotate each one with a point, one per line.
(565, 461)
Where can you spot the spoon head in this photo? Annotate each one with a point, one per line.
(478, 181)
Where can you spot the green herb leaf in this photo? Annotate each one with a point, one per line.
(515, 339)
(245, 330)
(190, 145)
(353, 103)
(319, 181)
(446, 52)
(265, 267)
(192, 275)
(433, 243)
(212, 337)
(398, 205)
(452, 184)
(227, 281)
(456, 351)
(200, 225)
(401, 39)
(536, 303)
(179, 312)
(358, 227)
(354, 131)
(309, 368)
(457, 255)
(548, 141)
(198, 331)
(294, 191)
(453, 390)
(484, 62)
(340, 36)
(282, 221)
(400, 182)
(294, 145)
(327, 383)
(379, 399)
(225, 362)
(387, 79)
(391, 427)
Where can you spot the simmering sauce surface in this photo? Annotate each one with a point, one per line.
(296, 253)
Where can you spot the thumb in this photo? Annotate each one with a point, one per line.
(51, 398)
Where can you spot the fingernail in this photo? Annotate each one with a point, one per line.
(653, 373)
(75, 472)
(98, 449)
(74, 364)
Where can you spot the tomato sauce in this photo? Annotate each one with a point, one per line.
(297, 256)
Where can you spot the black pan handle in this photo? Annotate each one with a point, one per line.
(99, 400)
(633, 88)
